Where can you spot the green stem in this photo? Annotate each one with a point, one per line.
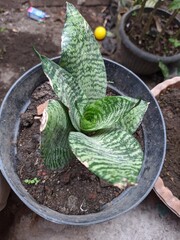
(138, 17)
(141, 10)
(147, 25)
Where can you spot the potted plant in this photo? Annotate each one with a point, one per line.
(167, 185)
(150, 36)
(82, 121)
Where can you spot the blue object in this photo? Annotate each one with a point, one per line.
(37, 14)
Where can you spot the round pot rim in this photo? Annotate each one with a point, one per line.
(163, 192)
(144, 54)
(80, 219)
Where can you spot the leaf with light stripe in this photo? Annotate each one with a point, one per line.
(66, 88)
(80, 55)
(133, 118)
(55, 128)
(113, 112)
(114, 156)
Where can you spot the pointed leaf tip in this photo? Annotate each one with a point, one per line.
(69, 6)
(80, 55)
(38, 54)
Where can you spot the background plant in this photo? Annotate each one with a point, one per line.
(84, 122)
(160, 31)
(173, 6)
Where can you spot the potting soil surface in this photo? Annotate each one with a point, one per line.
(170, 105)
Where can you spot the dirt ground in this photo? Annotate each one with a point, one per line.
(169, 102)
(18, 34)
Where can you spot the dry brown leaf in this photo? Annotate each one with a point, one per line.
(41, 107)
(158, 23)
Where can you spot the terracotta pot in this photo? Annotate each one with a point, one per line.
(138, 60)
(161, 190)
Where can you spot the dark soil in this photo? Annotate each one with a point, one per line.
(163, 47)
(170, 105)
(27, 57)
(72, 190)
(16, 53)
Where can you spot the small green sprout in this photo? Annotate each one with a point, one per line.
(2, 29)
(34, 181)
(175, 42)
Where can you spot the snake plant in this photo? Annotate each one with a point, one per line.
(84, 122)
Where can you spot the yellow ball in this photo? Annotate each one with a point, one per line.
(100, 33)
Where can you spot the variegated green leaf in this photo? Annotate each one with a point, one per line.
(113, 112)
(62, 82)
(114, 156)
(132, 119)
(81, 56)
(174, 5)
(55, 127)
(66, 88)
(151, 3)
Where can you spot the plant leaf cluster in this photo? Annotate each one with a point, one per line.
(33, 181)
(84, 122)
(173, 6)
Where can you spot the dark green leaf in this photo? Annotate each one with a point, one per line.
(164, 69)
(81, 56)
(114, 156)
(66, 88)
(56, 126)
(174, 5)
(113, 112)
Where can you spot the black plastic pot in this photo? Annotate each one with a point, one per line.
(138, 60)
(126, 83)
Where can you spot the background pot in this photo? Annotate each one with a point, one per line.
(138, 60)
(162, 191)
(125, 82)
